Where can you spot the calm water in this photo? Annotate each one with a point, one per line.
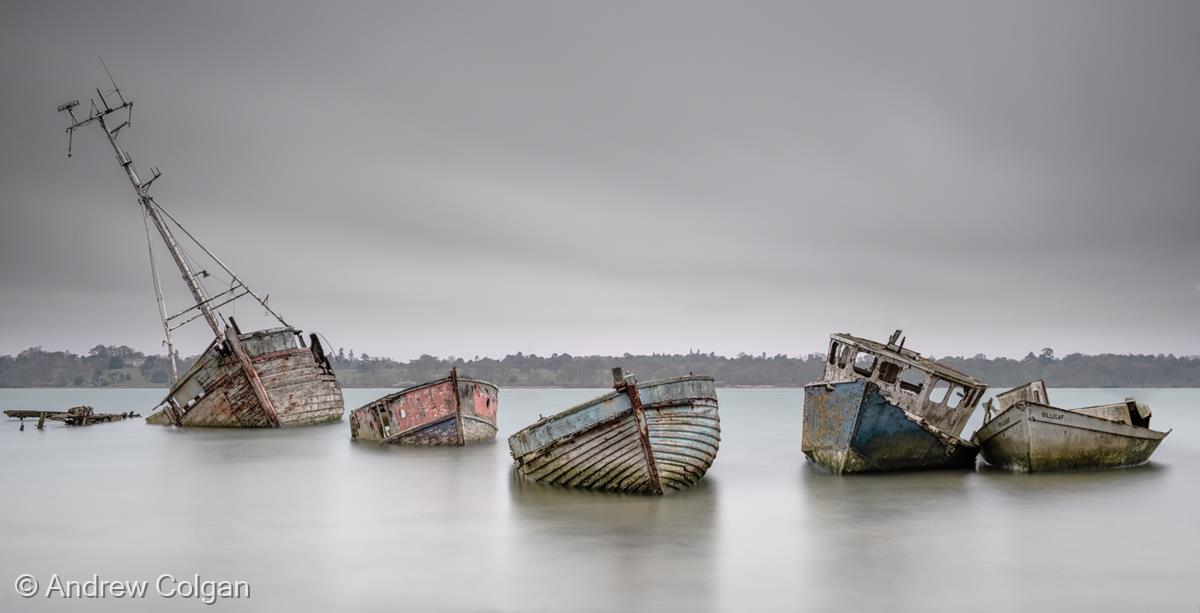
(315, 522)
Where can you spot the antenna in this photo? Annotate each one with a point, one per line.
(97, 113)
(69, 107)
(112, 80)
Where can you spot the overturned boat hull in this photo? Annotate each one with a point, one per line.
(648, 439)
(1033, 437)
(850, 427)
(449, 411)
(264, 379)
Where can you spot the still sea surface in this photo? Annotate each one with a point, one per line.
(315, 522)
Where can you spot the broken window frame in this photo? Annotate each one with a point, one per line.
(846, 356)
(889, 371)
(870, 370)
(935, 386)
(912, 388)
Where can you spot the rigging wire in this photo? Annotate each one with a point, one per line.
(218, 261)
(162, 304)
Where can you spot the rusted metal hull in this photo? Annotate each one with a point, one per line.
(449, 411)
(1033, 437)
(217, 391)
(850, 427)
(605, 445)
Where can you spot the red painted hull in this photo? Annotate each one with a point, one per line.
(435, 413)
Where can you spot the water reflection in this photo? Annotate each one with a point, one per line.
(626, 551)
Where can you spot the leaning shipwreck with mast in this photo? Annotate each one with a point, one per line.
(263, 379)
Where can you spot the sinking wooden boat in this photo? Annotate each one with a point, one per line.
(882, 407)
(645, 438)
(1023, 432)
(450, 411)
(265, 379)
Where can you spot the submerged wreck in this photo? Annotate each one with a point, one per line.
(644, 438)
(449, 411)
(81, 415)
(1023, 432)
(884, 407)
(265, 379)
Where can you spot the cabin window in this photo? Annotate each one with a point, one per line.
(958, 397)
(833, 351)
(845, 355)
(888, 371)
(864, 364)
(939, 392)
(912, 380)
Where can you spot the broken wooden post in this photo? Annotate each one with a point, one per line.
(630, 389)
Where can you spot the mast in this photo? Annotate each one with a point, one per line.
(189, 277)
(151, 212)
(149, 207)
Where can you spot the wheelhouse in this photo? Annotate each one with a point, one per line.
(941, 395)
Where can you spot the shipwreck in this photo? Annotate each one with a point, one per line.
(647, 438)
(452, 410)
(263, 379)
(882, 407)
(81, 415)
(1022, 432)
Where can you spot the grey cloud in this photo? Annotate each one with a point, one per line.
(482, 178)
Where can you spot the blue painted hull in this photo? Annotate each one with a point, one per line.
(596, 445)
(850, 427)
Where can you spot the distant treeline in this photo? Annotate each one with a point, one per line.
(121, 366)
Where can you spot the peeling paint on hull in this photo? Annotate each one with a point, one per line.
(216, 392)
(850, 427)
(1033, 437)
(448, 411)
(599, 445)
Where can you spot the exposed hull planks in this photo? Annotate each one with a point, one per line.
(448, 411)
(216, 392)
(1033, 437)
(850, 427)
(599, 445)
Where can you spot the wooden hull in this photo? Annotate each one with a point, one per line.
(850, 427)
(598, 445)
(1032, 437)
(217, 393)
(449, 411)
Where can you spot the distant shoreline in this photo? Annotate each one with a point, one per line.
(122, 367)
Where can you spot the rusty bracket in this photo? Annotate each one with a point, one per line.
(629, 388)
(458, 421)
(235, 344)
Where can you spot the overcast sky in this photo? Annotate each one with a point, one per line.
(482, 178)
